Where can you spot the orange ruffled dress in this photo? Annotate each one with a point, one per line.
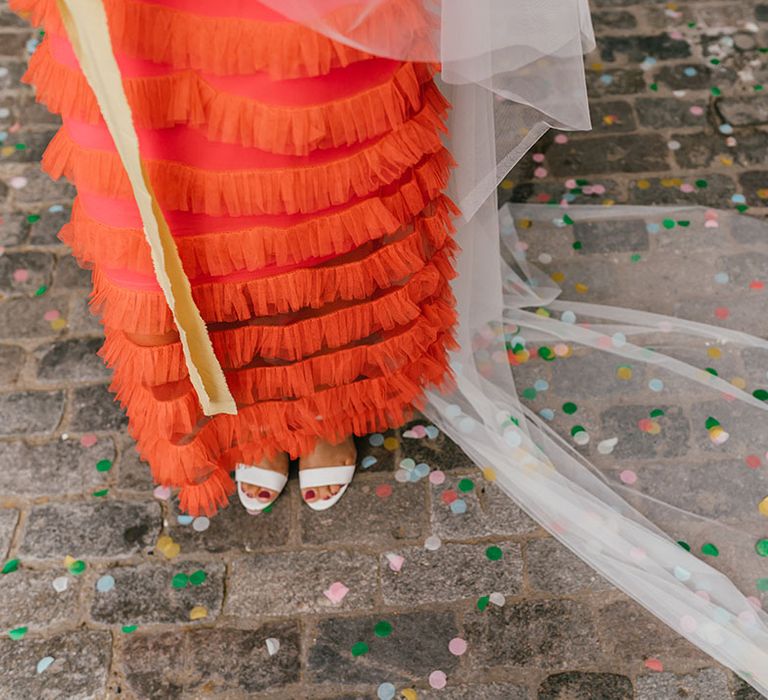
(303, 182)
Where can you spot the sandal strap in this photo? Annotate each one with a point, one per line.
(326, 476)
(258, 476)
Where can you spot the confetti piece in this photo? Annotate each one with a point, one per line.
(105, 584)
(59, 324)
(433, 543)
(198, 612)
(409, 694)
(605, 447)
(382, 628)
(273, 645)
(162, 493)
(127, 629)
(628, 477)
(763, 507)
(395, 561)
(76, 567)
(180, 580)
(336, 592)
(494, 553)
(60, 584)
(761, 547)
(18, 182)
(10, 566)
(383, 490)
(368, 461)
(437, 680)
(457, 646)
(198, 577)
(497, 599)
(376, 440)
(44, 663)
(386, 691)
(654, 665)
(391, 444)
(752, 461)
(466, 485)
(103, 465)
(359, 648)
(459, 507)
(17, 633)
(88, 440)
(482, 602)
(184, 519)
(710, 550)
(20, 275)
(201, 524)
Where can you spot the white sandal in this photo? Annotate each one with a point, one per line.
(326, 476)
(258, 476)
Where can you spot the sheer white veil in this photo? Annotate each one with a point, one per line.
(513, 69)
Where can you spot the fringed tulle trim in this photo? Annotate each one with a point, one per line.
(236, 346)
(142, 311)
(224, 252)
(369, 405)
(209, 495)
(244, 192)
(184, 97)
(233, 45)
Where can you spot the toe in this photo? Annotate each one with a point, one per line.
(259, 492)
(310, 495)
(334, 489)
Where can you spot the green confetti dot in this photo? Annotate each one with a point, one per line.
(741, 208)
(635, 258)
(711, 423)
(10, 566)
(269, 508)
(710, 550)
(762, 584)
(711, 370)
(668, 223)
(654, 87)
(759, 88)
(180, 581)
(32, 218)
(77, 567)
(716, 91)
(40, 291)
(567, 219)
(494, 553)
(715, 61)
(761, 546)
(127, 629)
(197, 577)
(702, 184)
(570, 408)
(684, 223)
(576, 429)
(21, 146)
(103, 465)
(530, 393)
(684, 545)
(760, 394)
(17, 633)
(100, 493)
(546, 353)
(382, 628)
(581, 182)
(466, 485)
(482, 602)
(359, 648)
(656, 413)
(577, 245)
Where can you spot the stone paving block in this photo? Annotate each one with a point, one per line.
(440, 450)
(12, 359)
(451, 573)
(690, 76)
(417, 646)
(611, 237)
(670, 112)
(653, 190)
(234, 529)
(629, 633)
(552, 568)
(364, 518)
(613, 20)
(81, 320)
(297, 581)
(576, 685)
(133, 473)
(637, 48)
(8, 520)
(70, 275)
(707, 684)
(96, 408)
(105, 529)
(56, 468)
(28, 599)
(583, 375)
(35, 143)
(551, 634)
(477, 691)
(39, 267)
(744, 691)
(673, 440)
(614, 117)
(143, 594)
(385, 458)
(45, 230)
(744, 111)
(15, 69)
(489, 511)
(79, 670)
(13, 227)
(24, 317)
(702, 151)
(599, 155)
(71, 359)
(39, 187)
(30, 412)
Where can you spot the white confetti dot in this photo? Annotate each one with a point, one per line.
(44, 663)
(433, 543)
(581, 438)
(273, 646)
(60, 584)
(605, 447)
(201, 524)
(18, 182)
(497, 599)
(545, 258)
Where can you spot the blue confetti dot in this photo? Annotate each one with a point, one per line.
(739, 199)
(368, 462)
(655, 385)
(547, 413)
(653, 228)
(422, 470)
(184, 519)
(105, 583)
(386, 691)
(726, 129)
(377, 439)
(606, 79)
(55, 208)
(44, 663)
(568, 317)
(722, 278)
(459, 506)
(690, 72)
(541, 385)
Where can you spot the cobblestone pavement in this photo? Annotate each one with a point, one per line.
(116, 595)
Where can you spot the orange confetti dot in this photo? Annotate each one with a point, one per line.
(581, 288)
(722, 312)
(624, 373)
(654, 665)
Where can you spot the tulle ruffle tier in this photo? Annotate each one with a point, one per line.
(303, 182)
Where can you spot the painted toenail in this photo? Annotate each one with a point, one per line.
(309, 494)
(264, 494)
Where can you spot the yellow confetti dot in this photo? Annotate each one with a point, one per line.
(391, 444)
(739, 382)
(68, 561)
(643, 184)
(763, 507)
(714, 353)
(163, 541)
(653, 428)
(763, 194)
(609, 202)
(557, 277)
(523, 356)
(609, 120)
(198, 612)
(489, 474)
(525, 223)
(581, 288)
(597, 66)
(507, 184)
(624, 373)
(728, 162)
(59, 323)
(7, 150)
(671, 182)
(543, 312)
(168, 547)
(409, 694)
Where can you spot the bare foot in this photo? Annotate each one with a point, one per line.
(327, 455)
(278, 464)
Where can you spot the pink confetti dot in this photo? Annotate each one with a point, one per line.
(570, 184)
(88, 440)
(654, 665)
(687, 188)
(18, 182)
(51, 315)
(538, 157)
(628, 476)
(437, 680)
(645, 424)
(753, 461)
(162, 493)
(598, 189)
(457, 646)
(395, 561)
(336, 592)
(722, 312)
(383, 490)
(540, 172)
(697, 111)
(675, 35)
(20, 275)
(437, 477)
(561, 139)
